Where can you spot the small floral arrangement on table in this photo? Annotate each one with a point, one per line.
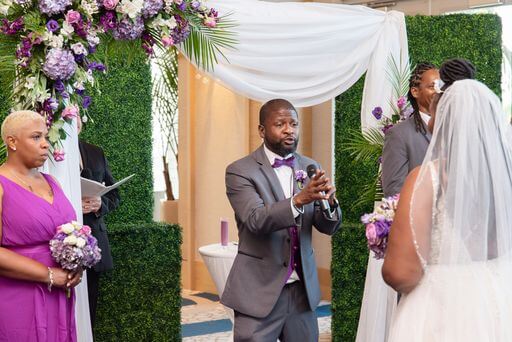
(74, 247)
(378, 224)
(53, 44)
(300, 178)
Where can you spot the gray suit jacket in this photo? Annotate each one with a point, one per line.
(263, 215)
(404, 149)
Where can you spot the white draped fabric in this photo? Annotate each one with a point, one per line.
(309, 53)
(67, 173)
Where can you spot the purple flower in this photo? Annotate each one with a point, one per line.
(151, 8)
(195, 4)
(52, 25)
(108, 21)
(59, 85)
(386, 128)
(12, 28)
(401, 102)
(377, 113)
(96, 66)
(382, 228)
(86, 102)
(51, 7)
(128, 29)
(406, 113)
(59, 64)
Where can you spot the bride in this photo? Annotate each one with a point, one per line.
(449, 249)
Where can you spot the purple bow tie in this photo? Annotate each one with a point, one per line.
(290, 162)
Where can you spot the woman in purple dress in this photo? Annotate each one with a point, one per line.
(33, 301)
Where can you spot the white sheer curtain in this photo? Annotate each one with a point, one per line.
(309, 53)
(67, 173)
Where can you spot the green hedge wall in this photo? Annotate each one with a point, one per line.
(435, 39)
(121, 114)
(140, 299)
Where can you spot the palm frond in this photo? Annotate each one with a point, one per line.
(3, 153)
(398, 76)
(364, 146)
(371, 192)
(205, 44)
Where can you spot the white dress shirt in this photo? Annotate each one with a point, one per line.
(425, 117)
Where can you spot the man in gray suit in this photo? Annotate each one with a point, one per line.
(406, 143)
(273, 284)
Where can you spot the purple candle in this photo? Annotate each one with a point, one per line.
(223, 232)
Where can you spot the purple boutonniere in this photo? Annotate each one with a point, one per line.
(300, 178)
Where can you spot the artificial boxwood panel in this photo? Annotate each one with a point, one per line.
(140, 299)
(121, 114)
(435, 39)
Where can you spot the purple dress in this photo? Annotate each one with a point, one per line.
(28, 311)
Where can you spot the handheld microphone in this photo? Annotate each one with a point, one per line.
(324, 204)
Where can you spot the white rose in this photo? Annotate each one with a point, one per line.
(70, 240)
(68, 228)
(80, 242)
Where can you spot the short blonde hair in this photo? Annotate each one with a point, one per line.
(15, 120)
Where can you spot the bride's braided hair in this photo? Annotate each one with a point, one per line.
(414, 81)
(456, 69)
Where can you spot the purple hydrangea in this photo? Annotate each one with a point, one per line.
(51, 7)
(151, 8)
(128, 29)
(181, 31)
(59, 64)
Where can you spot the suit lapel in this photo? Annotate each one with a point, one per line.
(268, 172)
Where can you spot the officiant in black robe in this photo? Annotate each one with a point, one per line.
(94, 165)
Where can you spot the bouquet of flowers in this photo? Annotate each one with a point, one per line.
(378, 223)
(54, 44)
(74, 247)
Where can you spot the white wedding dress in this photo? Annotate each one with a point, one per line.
(465, 244)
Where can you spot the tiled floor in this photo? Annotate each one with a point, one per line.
(204, 319)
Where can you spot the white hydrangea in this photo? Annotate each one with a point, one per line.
(54, 41)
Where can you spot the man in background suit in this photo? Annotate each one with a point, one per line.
(273, 284)
(405, 144)
(93, 165)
